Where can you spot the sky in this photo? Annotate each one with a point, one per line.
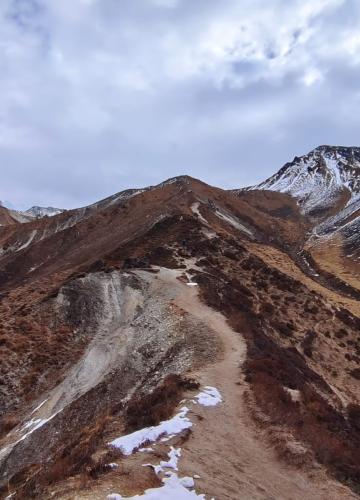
(97, 96)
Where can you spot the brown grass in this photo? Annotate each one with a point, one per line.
(275, 359)
(75, 459)
(145, 410)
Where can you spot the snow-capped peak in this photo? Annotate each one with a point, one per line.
(319, 178)
(39, 212)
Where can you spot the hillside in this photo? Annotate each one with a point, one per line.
(326, 185)
(196, 329)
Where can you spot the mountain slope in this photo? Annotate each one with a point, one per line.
(114, 313)
(39, 212)
(326, 185)
(321, 181)
(10, 217)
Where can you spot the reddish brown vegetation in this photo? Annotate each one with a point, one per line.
(145, 409)
(288, 328)
(74, 459)
(273, 365)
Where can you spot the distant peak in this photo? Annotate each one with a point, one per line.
(39, 212)
(324, 147)
(319, 178)
(180, 179)
(186, 179)
(345, 151)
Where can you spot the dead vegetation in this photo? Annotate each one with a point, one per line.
(296, 321)
(80, 457)
(296, 339)
(74, 459)
(35, 347)
(145, 410)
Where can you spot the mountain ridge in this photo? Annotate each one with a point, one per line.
(113, 314)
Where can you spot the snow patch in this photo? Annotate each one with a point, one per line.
(234, 222)
(189, 278)
(39, 212)
(196, 211)
(28, 241)
(172, 463)
(33, 425)
(210, 396)
(38, 407)
(209, 234)
(170, 427)
(294, 394)
(174, 488)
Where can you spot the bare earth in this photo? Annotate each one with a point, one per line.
(225, 449)
(225, 445)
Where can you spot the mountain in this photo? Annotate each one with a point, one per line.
(39, 212)
(326, 185)
(8, 217)
(183, 326)
(321, 181)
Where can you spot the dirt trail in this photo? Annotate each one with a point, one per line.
(225, 449)
(225, 452)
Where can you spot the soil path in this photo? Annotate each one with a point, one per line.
(225, 448)
(226, 453)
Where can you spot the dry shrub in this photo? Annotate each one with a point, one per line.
(353, 411)
(267, 309)
(285, 329)
(341, 333)
(355, 373)
(145, 410)
(77, 455)
(334, 440)
(348, 319)
(101, 465)
(7, 423)
(307, 343)
(273, 398)
(74, 459)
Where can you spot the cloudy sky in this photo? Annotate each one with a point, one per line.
(100, 95)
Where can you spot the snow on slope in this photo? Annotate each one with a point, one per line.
(174, 487)
(319, 179)
(39, 212)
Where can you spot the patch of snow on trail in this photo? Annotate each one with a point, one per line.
(172, 463)
(174, 488)
(33, 425)
(190, 282)
(210, 396)
(170, 427)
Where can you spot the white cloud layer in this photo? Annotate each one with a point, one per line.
(100, 95)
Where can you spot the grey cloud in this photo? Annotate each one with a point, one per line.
(98, 96)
